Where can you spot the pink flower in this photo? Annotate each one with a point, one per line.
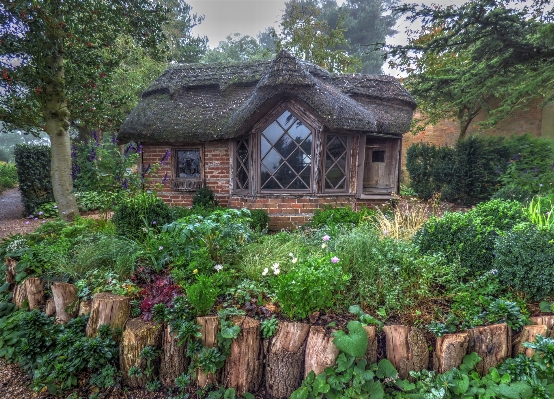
(326, 237)
(334, 259)
(27, 222)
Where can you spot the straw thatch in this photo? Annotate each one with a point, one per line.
(206, 102)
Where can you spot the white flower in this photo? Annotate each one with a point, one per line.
(323, 245)
(276, 271)
(218, 267)
(294, 260)
(275, 266)
(291, 254)
(266, 270)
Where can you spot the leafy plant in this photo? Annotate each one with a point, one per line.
(8, 176)
(202, 295)
(363, 317)
(204, 198)
(330, 216)
(146, 368)
(259, 220)
(268, 327)
(162, 291)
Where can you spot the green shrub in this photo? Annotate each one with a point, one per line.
(140, 212)
(260, 220)
(330, 216)
(8, 176)
(389, 274)
(469, 237)
(524, 257)
(33, 174)
(204, 198)
(429, 167)
(202, 295)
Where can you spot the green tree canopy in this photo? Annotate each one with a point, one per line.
(56, 49)
(463, 57)
(237, 48)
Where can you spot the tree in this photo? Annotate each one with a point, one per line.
(463, 57)
(368, 23)
(55, 48)
(308, 36)
(238, 48)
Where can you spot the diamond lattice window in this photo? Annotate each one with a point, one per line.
(242, 163)
(336, 163)
(286, 155)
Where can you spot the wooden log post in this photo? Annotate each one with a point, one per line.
(407, 349)
(528, 334)
(84, 308)
(65, 299)
(320, 351)
(10, 270)
(50, 307)
(547, 320)
(209, 326)
(110, 309)
(138, 334)
(34, 289)
(243, 368)
(449, 352)
(492, 343)
(19, 295)
(174, 361)
(284, 368)
(371, 353)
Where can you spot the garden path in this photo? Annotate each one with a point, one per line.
(11, 209)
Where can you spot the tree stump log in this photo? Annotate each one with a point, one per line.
(50, 307)
(407, 349)
(371, 353)
(285, 362)
(492, 343)
(209, 326)
(547, 321)
(19, 295)
(84, 308)
(34, 289)
(243, 367)
(138, 334)
(65, 299)
(528, 334)
(174, 361)
(320, 351)
(110, 309)
(10, 271)
(449, 352)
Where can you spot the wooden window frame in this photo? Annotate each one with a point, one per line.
(185, 183)
(235, 165)
(348, 155)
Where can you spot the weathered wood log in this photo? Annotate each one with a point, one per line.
(110, 309)
(243, 367)
(138, 334)
(209, 326)
(84, 308)
(50, 307)
(19, 295)
(10, 271)
(34, 289)
(174, 360)
(66, 301)
(527, 334)
(320, 351)
(371, 353)
(449, 352)
(407, 349)
(284, 368)
(492, 343)
(547, 321)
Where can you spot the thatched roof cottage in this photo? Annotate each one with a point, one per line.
(283, 135)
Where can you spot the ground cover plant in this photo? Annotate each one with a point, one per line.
(8, 176)
(403, 263)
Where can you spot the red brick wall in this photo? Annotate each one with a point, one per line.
(286, 211)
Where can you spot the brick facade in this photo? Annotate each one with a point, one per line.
(286, 210)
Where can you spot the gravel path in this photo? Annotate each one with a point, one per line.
(11, 210)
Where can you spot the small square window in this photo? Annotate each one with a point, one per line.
(378, 156)
(188, 164)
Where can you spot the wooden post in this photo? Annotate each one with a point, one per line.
(174, 361)
(209, 326)
(407, 349)
(547, 320)
(285, 362)
(371, 353)
(65, 299)
(243, 367)
(138, 334)
(10, 271)
(527, 334)
(110, 309)
(449, 352)
(50, 307)
(19, 295)
(34, 289)
(84, 308)
(320, 351)
(492, 343)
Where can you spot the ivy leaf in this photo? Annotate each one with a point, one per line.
(469, 363)
(375, 390)
(461, 384)
(385, 369)
(353, 344)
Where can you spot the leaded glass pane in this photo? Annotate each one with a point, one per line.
(242, 163)
(188, 164)
(286, 155)
(335, 163)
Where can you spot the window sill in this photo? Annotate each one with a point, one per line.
(185, 185)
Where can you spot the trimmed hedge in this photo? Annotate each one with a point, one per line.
(33, 174)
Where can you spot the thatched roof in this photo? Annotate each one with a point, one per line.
(205, 102)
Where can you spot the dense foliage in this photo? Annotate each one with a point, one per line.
(8, 176)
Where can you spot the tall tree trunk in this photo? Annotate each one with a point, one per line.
(56, 119)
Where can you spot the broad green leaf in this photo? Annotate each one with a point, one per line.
(375, 390)
(386, 369)
(353, 344)
(300, 393)
(461, 384)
